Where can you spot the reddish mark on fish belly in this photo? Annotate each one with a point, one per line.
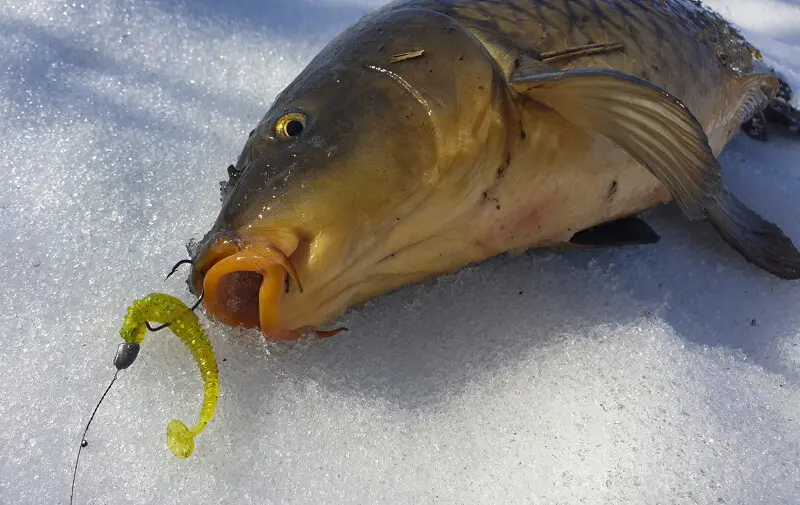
(524, 228)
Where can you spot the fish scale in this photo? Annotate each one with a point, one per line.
(654, 35)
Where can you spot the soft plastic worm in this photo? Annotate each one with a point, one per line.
(165, 309)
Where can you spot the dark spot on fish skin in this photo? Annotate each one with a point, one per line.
(613, 190)
(523, 135)
(485, 196)
(461, 58)
(501, 170)
(480, 88)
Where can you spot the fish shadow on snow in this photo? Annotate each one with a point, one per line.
(423, 344)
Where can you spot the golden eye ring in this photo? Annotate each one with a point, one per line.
(290, 125)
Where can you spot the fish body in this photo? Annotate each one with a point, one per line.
(436, 133)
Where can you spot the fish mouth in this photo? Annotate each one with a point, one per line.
(243, 284)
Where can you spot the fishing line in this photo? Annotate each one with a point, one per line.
(83, 438)
(126, 354)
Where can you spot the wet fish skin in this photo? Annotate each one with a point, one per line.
(677, 45)
(380, 168)
(415, 168)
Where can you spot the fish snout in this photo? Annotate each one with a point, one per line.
(243, 282)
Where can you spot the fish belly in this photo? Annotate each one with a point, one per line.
(560, 181)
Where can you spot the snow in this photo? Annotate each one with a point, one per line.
(660, 374)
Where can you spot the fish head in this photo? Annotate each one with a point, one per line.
(359, 160)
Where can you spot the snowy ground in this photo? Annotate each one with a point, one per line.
(665, 374)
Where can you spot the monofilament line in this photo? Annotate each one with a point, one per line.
(80, 445)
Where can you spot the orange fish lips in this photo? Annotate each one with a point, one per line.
(243, 286)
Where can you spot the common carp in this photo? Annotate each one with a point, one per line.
(433, 134)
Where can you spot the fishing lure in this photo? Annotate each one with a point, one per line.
(184, 323)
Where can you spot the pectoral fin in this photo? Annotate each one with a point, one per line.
(654, 127)
(660, 132)
(621, 232)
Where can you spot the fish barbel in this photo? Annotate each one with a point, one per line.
(433, 134)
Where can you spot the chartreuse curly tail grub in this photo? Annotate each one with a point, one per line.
(183, 322)
(165, 309)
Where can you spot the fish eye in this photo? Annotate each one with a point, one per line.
(290, 126)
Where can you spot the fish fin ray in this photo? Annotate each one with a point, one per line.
(758, 240)
(759, 91)
(620, 232)
(756, 127)
(657, 130)
(785, 116)
(525, 65)
(776, 113)
(653, 126)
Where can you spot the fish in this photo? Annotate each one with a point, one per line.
(435, 134)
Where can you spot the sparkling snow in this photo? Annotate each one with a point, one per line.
(661, 374)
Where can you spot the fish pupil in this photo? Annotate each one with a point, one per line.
(294, 128)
